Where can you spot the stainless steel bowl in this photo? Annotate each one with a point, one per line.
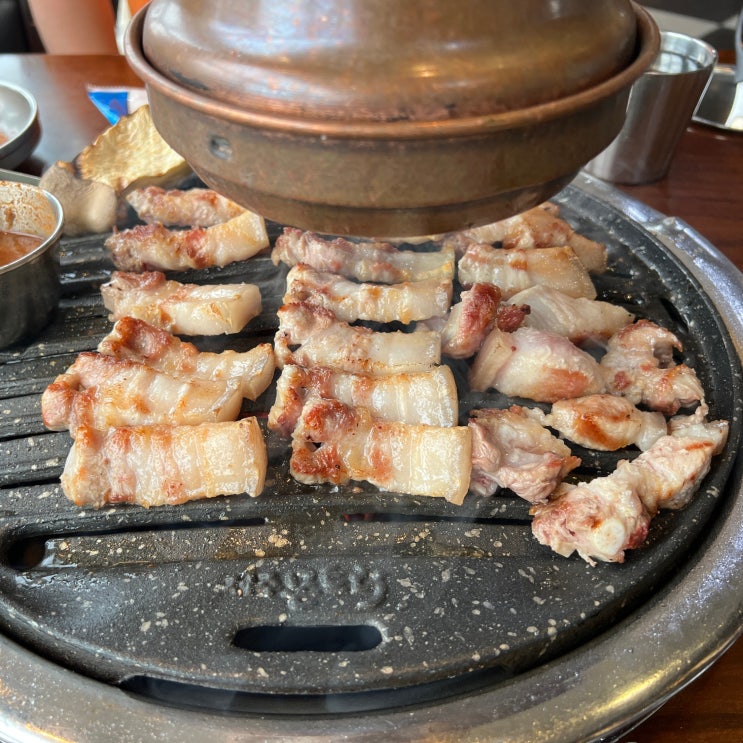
(20, 130)
(29, 286)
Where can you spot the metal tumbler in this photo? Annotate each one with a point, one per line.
(660, 106)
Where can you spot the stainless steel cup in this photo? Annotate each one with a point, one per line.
(29, 286)
(660, 106)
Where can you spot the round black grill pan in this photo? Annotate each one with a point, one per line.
(319, 600)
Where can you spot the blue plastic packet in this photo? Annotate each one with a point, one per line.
(114, 103)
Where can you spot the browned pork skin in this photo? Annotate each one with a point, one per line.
(156, 247)
(364, 261)
(335, 443)
(602, 518)
(137, 340)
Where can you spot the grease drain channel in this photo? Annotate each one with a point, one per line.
(384, 600)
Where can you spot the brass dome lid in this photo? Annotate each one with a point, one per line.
(387, 60)
(384, 117)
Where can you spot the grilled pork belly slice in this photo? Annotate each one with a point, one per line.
(602, 518)
(696, 425)
(470, 320)
(599, 520)
(604, 422)
(686, 429)
(577, 318)
(102, 391)
(511, 450)
(639, 365)
(334, 443)
(363, 261)
(188, 309)
(165, 464)
(137, 340)
(541, 227)
(156, 247)
(311, 336)
(193, 207)
(384, 303)
(517, 269)
(428, 398)
(536, 365)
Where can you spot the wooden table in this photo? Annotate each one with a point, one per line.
(704, 187)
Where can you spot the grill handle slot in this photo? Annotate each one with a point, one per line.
(315, 638)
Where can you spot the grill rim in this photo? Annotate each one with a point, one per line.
(594, 698)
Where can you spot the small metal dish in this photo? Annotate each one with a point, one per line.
(20, 130)
(721, 106)
(29, 286)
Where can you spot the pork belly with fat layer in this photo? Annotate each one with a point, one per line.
(536, 365)
(428, 398)
(193, 207)
(334, 443)
(311, 336)
(364, 261)
(384, 303)
(188, 309)
(514, 270)
(541, 227)
(604, 422)
(577, 318)
(148, 247)
(137, 340)
(102, 391)
(165, 464)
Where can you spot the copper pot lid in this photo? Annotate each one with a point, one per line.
(386, 60)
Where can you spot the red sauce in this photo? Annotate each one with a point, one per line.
(14, 245)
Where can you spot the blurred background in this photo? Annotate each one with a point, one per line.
(710, 20)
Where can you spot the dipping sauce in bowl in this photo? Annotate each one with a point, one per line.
(31, 221)
(14, 245)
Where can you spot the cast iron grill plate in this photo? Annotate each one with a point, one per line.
(337, 599)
